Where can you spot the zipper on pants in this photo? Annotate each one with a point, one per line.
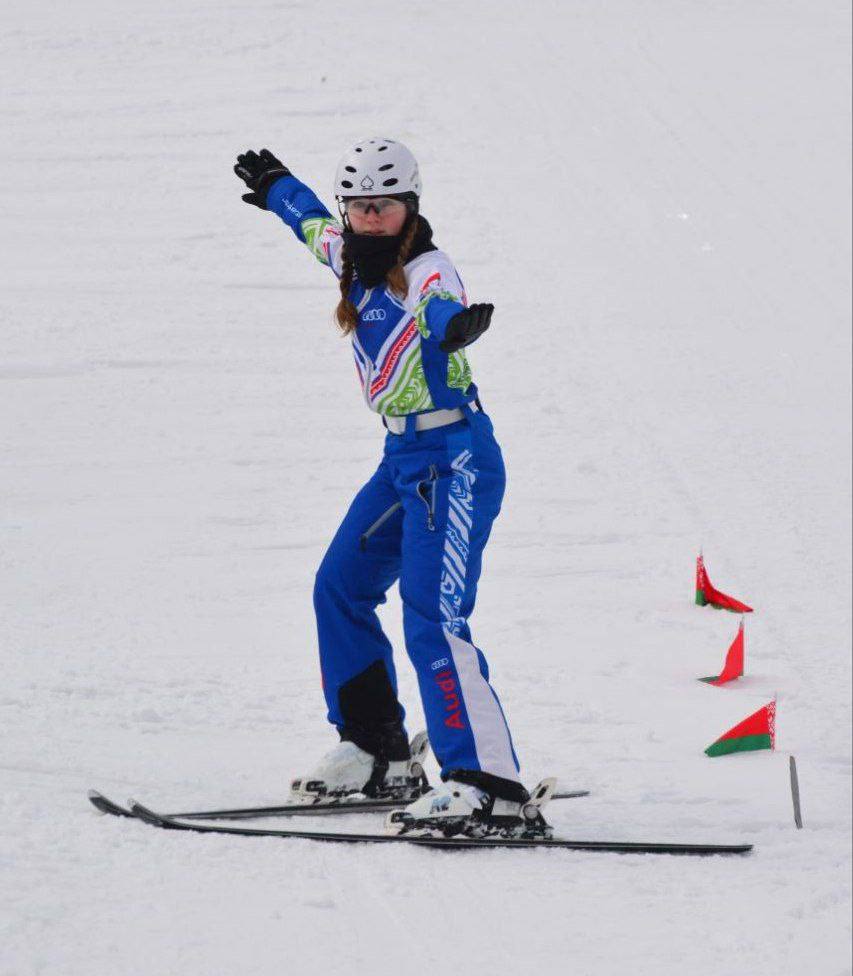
(426, 492)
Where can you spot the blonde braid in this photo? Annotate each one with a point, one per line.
(346, 314)
(396, 277)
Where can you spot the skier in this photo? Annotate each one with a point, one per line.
(423, 518)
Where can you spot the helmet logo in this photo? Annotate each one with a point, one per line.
(367, 183)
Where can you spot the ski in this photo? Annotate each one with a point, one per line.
(106, 805)
(445, 843)
(103, 804)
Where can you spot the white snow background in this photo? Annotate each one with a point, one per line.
(655, 195)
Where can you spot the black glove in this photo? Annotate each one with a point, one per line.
(466, 326)
(259, 172)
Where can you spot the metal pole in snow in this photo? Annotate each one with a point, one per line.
(795, 793)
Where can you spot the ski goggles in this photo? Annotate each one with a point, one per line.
(361, 206)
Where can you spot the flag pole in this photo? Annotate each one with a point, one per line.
(795, 793)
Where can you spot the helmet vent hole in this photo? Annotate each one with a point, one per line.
(347, 184)
(386, 166)
(382, 149)
(350, 169)
(358, 149)
(390, 182)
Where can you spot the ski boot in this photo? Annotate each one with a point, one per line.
(460, 810)
(349, 774)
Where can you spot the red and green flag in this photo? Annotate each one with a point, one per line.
(733, 668)
(706, 593)
(758, 731)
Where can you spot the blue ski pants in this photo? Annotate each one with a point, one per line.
(423, 518)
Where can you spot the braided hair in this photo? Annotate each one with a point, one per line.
(346, 314)
(396, 277)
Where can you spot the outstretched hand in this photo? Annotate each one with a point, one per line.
(259, 171)
(466, 326)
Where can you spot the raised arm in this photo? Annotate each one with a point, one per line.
(273, 187)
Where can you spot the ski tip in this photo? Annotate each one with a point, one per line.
(98, 801)
(142, 812)
(104, 804)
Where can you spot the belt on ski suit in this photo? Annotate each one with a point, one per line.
(429, 420)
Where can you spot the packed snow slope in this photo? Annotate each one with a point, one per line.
(655, 196)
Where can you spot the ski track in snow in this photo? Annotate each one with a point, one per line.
(656, 198)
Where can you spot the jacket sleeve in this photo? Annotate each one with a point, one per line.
(436, 294)
(298, 206)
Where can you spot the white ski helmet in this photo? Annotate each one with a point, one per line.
(377, 168)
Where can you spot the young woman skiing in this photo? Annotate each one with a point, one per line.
(423, 518)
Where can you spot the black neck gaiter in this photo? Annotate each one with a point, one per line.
(375, 255)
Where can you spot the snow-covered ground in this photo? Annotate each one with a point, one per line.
(655, 195)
